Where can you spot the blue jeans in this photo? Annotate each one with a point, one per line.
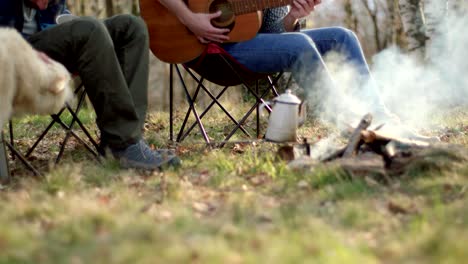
(301, 54)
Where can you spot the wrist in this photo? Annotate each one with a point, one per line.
(185, 17)
(290, 22)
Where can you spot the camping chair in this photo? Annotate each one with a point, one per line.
(219, 67)
(4, 170)
(80, 94)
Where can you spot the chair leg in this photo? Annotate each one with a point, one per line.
(215, 100)
(51, 124)
(171, 102)
(257, 112)
(192, 107)
(15, 153)
(68, 128)
(259, 100)
(181, 135)
(4, 170)
(43, 134)
(85, 130)
(23, 159)
(12, 139)
(70, 132)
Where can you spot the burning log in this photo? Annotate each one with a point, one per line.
(382, 154)
(337, 154)
(370, 136)
(356, 136)
(366, 164)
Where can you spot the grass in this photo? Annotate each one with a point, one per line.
(239, 204)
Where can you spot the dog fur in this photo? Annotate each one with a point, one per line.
(30, 82)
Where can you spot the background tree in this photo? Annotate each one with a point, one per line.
(408, 24)
(420, 19)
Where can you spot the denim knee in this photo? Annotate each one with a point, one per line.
(345, 36)
(301, 46)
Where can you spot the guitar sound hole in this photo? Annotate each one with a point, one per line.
(227, 17)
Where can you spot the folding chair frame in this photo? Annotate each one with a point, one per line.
(80, 93)
(4, 170)
(192, 99)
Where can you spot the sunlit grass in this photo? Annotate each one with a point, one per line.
(239, 204)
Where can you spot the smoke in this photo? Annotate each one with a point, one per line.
(416, 91)
(411, 89)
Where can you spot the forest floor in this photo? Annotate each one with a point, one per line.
(238, 204)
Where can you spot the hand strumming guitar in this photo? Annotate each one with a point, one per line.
(299, 9)
(198, 23)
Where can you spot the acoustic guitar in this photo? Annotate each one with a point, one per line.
(172, 42)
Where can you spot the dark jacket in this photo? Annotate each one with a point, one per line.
(11, 14)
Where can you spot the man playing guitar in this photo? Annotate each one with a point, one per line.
(280, 45)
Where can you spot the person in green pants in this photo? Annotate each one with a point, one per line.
(111, 58)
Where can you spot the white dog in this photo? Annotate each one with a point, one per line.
(30, 82)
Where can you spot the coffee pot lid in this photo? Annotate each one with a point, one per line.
(287, 98)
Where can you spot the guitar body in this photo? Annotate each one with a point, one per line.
(172, 42)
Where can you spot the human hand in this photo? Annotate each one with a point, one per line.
(200, 25)
(302, 8)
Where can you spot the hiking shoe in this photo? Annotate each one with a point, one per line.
(141, 156)
(164, 151)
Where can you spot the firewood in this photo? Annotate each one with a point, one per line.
(370, 136)
(356, 136)
(286, 153)
(363, 165)
(434, 157)
(336, 154)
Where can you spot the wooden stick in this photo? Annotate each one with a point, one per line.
(337, 154)
(356, 136)
(370, 136)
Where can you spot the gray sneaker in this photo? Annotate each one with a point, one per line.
(141, 156)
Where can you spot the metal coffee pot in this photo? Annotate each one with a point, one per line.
(286, 116)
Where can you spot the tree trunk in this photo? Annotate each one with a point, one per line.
(351, 20)
(136, 7)
(373, 15)
(434, 12)
(412, 17)
(420, 19)
(394, 23)
(109, 8)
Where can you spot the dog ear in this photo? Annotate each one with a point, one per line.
(58, 85)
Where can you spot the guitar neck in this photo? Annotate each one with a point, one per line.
(248, 6)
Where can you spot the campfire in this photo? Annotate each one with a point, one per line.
(376, 153)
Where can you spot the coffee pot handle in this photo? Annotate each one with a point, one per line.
(265, 105)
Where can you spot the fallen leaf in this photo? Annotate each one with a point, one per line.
(396, 208)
